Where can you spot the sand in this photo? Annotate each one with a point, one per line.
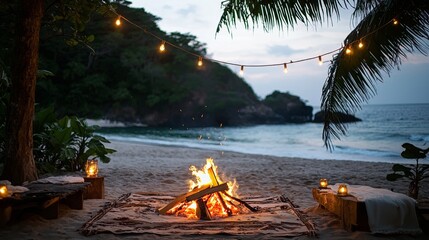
(164, 169)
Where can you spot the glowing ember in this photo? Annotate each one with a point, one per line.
(219, 204)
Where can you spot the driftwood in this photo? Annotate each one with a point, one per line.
(242, 202)
(310, 226)
(85, 229)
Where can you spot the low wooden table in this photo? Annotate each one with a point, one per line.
(352, 212)
(44, 199)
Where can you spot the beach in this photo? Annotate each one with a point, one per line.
(137, 167)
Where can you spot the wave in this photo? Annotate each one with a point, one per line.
(420, 138)
(366, 152)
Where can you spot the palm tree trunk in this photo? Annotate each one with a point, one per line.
(19, 161)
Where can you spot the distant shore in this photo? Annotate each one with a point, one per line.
(152, 168)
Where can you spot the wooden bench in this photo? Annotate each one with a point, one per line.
(44, 199)
(351, 212)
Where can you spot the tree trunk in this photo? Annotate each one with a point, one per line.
(19, 161)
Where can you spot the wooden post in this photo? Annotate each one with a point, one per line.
(96, 189)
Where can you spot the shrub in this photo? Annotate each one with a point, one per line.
(65, 144)
(415, 173)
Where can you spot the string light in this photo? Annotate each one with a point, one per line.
(348, 49)
(162, 46)
(118, 21)
(284, 67)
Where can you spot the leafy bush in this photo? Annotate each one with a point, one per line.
(65, 144)
(415, 173)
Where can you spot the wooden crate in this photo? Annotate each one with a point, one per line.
(351, 212)
(96, 189)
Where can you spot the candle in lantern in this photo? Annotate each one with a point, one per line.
(3, 191)
(91, 167)
(323, 183)
(342, 190)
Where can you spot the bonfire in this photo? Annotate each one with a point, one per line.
(208, 198)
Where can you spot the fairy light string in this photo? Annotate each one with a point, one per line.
(348, 48)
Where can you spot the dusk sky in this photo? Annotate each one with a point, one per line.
(410, 84)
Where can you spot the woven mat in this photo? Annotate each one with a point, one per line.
(134, 213)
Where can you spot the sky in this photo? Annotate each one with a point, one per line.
(409, 84)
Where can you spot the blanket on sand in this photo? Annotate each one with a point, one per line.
(136, 213)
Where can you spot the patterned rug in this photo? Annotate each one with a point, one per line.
(135, 213)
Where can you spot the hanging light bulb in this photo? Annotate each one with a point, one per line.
(360, 44)
(162, 47)
(348, 51)
(395, 21)
(118, 21)
(320, 61)
(284, 67)
(242, 70)
(200, 61)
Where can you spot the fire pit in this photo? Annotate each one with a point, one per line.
(208, 198)
(210, 207)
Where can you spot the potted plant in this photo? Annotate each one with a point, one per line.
(415, 173)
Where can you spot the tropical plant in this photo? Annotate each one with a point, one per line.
(415, 173)
(391, 29)
(65, 144)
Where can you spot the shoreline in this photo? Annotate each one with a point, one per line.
(140, 167)
(201, 147)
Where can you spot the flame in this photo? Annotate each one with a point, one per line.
(208, 176)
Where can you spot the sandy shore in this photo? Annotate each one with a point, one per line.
(149, 168)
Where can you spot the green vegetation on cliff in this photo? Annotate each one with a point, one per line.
(119, 74)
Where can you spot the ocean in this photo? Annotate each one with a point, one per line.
(377, 138)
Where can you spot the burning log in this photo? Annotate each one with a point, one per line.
(202, 211)
(208, 199)
(215, 183)
(207, 191)
(180, 199)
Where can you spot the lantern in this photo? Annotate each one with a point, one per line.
(342, 190)
(323, 183)
(91, 168)
(3, 191)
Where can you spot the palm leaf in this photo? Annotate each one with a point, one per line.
(352, 78)
(280, 13)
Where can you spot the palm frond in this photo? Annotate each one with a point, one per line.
(352, 77)
(280, 13)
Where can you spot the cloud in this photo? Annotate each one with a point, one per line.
(283, 50)
(188, 10)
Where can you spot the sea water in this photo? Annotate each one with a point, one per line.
(377, 138)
